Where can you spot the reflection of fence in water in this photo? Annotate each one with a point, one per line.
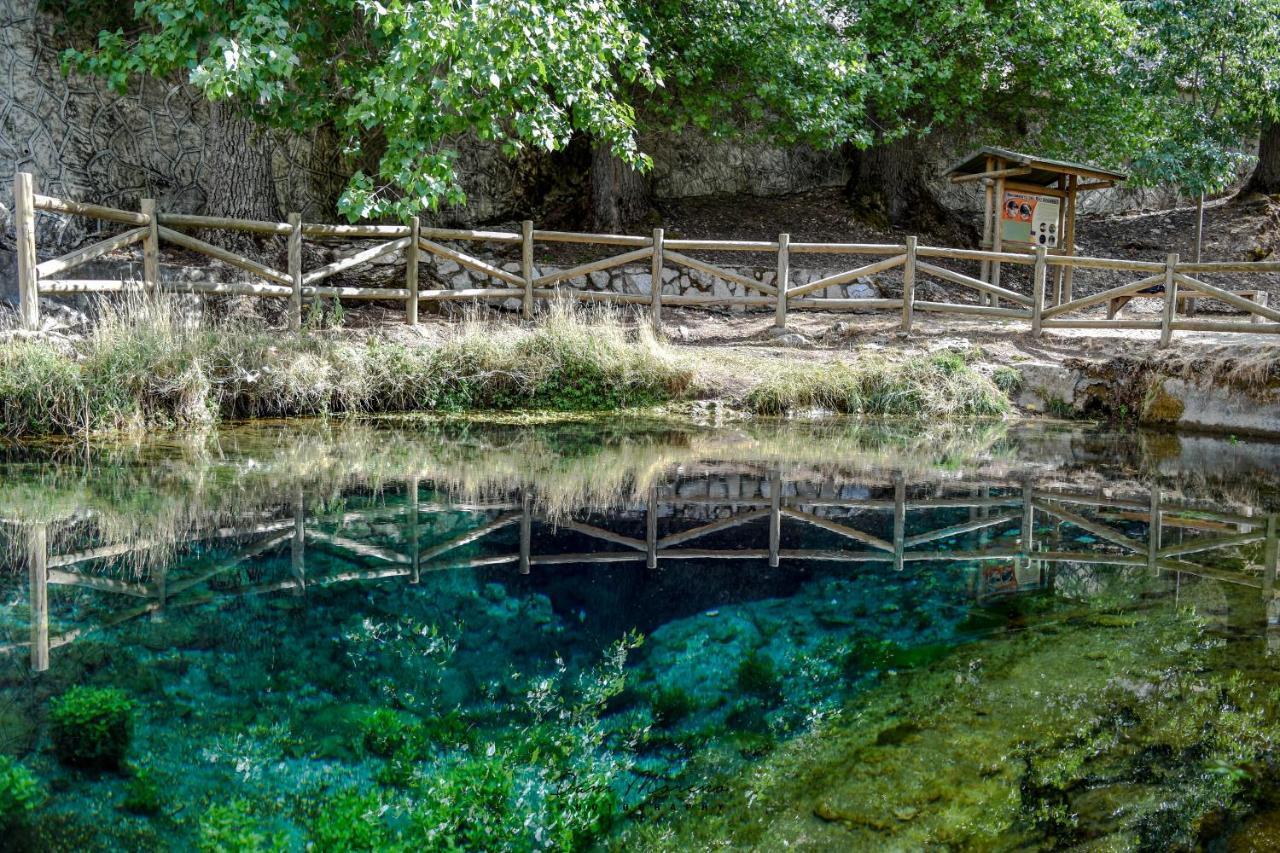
(1027, 561)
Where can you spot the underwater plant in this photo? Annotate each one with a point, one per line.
(142, 792)
(386, 732)
(757, 676)
(91, 727)
(20, 792)
(349, 820)
(235, 826)
(671, 704)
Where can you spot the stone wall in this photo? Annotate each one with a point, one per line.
(676, 280)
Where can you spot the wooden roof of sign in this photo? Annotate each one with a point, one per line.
(1027, 168)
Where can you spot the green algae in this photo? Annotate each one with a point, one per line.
(1026, 742)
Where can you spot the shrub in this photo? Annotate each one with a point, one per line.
(20, 792)
(91, 727)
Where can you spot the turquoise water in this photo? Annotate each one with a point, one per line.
(639, 635)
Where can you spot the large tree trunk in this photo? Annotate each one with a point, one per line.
(890, 184)
(619, 193)
(1266, 177)
(236, 173)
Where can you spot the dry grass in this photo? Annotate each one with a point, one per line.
(941, 385)
(146, 364)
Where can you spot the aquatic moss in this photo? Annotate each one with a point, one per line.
(91, 727)
(142, 792)
(386, 732)
(671, 704)
(757, 676)
(349, 820)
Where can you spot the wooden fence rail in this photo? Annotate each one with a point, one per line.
(413, 243)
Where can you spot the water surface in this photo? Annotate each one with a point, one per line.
(639, 635)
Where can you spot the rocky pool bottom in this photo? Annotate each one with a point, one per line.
(640, 636)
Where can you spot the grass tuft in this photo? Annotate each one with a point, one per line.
(940, 385)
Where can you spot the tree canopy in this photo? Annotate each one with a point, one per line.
(1171, 87)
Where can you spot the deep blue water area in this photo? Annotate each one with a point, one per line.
(639, 635)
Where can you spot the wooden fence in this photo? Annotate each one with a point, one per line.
(1039, 519)
(150, 228)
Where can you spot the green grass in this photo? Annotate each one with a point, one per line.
(147, 366)
(934, 386)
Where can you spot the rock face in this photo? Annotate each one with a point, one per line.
(1144, 394)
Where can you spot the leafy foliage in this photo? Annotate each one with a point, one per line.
(1173, 86)
(1211, 75)
(404, 82)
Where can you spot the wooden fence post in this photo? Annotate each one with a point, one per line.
(38, 578)
(775, 517)
(997, 245)
(651, 528)
(24, 210)
(1170, 299)
(415, 568)
(1037, 289)
(151, 249)
(295, 271)
(1271, 556)
(526, 531)
(411, 272)
(655, 282)
(298, 545)
(899, 520)
(908, 287)
(1028, 521)
(1154, 524)
(784, 280)
(526, 266)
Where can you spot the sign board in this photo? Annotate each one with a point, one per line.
(1029, 218)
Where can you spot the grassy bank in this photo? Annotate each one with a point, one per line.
(146, 366)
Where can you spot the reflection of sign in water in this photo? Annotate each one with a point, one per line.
(1029, 218)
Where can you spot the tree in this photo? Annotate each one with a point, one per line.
(1211, 74)
(404, 82)
(1266, 177)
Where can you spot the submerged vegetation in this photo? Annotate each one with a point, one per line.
(146, 365)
